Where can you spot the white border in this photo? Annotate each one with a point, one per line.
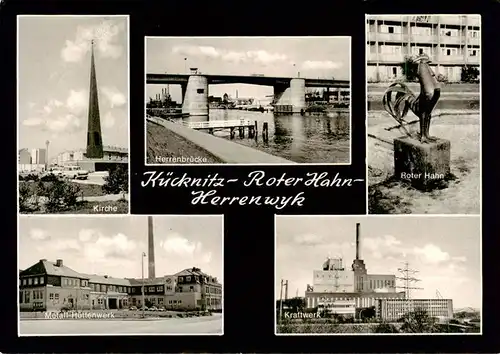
(128, 107)
(480, 111)
(251, 164)
(333, 217)
(122, 334)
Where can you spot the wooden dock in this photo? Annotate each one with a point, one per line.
(220, 124)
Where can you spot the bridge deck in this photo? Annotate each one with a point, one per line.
(225, 150)
(215, 124)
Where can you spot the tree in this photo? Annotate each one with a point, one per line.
(386, 328)
(410, 69)
(419, 321)
(117, 181)
(469, 74)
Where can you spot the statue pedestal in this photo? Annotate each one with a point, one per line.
(422, 165)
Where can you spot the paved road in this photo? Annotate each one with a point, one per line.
(192, 325)
(224, 150)
(94, 178)
(105, 198)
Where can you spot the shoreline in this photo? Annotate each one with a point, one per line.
(163, 143)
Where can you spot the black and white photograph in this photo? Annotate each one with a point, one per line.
(401, 275)
(73, 114)
(247, 100)
(120, 275)
(424, 114)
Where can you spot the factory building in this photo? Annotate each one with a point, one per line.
(343, 290)
(450, 41)
(49, 286)
(52, 286)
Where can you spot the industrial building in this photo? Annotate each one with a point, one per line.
(345, 291)
(450, 41)
(52, 286)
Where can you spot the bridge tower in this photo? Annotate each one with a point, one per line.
(290, 99)
(196, 96)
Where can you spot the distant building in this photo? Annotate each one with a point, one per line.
(394, 309)
(112, 156)
(38, 156)
(450, 41)
(24, 157)
(49, 286)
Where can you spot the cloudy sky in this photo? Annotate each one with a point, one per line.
(272, 56)
(445, 251)
(113, 245)
(54, 80)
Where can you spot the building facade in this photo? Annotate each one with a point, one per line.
(450, 41)
(49, 286)
(394, 309)
(112, 156)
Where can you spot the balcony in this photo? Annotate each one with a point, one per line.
(474, 20)
(451, 59)
(474, 41)
(453, 20)
(394, 18)
(452, 40)
(474, 60)
(423, 38)
(387, 37)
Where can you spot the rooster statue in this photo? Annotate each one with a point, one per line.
(398, 99)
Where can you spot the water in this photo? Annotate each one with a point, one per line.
(313, 138)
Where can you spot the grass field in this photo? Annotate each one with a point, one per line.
(459, 195)
(161, 142)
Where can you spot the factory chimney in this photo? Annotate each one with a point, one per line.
(357, 240)
(151, 249)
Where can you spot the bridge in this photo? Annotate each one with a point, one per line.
(172, 79)
(289, 93)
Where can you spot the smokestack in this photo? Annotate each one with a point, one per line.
(357, 240)
(151, 249)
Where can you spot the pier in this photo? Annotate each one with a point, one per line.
(223, 149)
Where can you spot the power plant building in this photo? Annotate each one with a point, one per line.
(450, 41)
(342, 290)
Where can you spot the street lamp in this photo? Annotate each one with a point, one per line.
(185, 65)
(142, 269)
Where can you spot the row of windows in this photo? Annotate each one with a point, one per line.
(427, 31)
(33, 281)
(189, 278)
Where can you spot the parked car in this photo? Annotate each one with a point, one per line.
(75, 172)
(162, 309)
(153, 308)
(132, 308)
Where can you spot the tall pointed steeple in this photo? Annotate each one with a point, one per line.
(94, 136)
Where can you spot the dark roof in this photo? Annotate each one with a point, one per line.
(105, 279)
(50, 268)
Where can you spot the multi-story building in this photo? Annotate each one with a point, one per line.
(50, 286)
(394, 309)
(24, 157)
(38, 156)
(450, 41)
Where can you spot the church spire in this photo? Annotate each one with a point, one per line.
(94, 136)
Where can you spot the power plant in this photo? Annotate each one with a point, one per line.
(348, 291)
